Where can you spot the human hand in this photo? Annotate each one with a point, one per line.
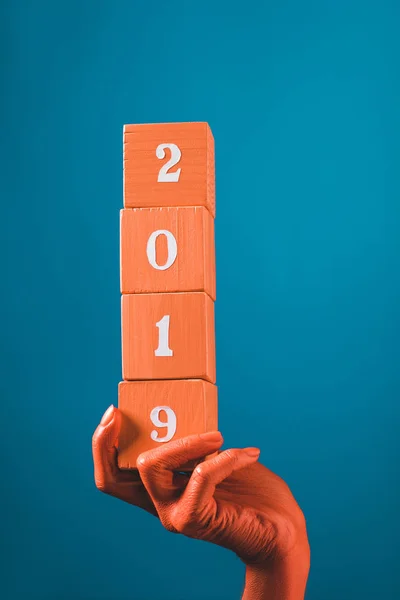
(231, 500)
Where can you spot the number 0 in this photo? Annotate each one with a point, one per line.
(176, 154)
(151, 249)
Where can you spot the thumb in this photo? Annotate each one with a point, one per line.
(104, 447)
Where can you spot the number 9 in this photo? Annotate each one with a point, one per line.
(170, 423)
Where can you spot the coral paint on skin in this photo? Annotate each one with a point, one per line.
(232, 500)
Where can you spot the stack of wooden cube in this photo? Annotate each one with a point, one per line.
(167, 286)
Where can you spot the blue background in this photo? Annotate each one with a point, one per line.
(302, 98)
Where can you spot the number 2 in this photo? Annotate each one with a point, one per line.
(170, 423)
(176, 154)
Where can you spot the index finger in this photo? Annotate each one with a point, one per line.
(156, 466)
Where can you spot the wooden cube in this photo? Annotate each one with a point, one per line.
(168, 336)
(169, 164)
(167, 250)
(156, 412)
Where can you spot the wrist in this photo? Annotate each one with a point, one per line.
(283, 579)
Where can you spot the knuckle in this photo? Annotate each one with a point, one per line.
(300, 518)
(169, 527)
(102, 485)
(183, 523)
(197, 524)
(232, 456)
(95, 440)
(168, 522)
(285, 533)
(183, 442)
(145, 461)
(183, 446)
(192, 522)
(202, 473)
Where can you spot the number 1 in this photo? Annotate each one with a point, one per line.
(163, 338)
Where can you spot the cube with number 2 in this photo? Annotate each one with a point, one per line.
(156, 412)
(169, 164)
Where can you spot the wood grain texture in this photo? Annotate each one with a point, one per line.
(196, 185)
(194, 403)
(194, 266)
(191, 336)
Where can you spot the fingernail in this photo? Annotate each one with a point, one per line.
(253, 452)
(108, 416)
(211, 436)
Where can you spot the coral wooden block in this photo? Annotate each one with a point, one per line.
(167, 250)
(169, 165)
(155, 412)
(168, 336)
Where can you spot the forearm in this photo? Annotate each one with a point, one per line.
(286, 581)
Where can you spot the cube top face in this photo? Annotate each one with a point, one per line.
(167, 250)
(168, 336)
(169, 164)
(156, 412)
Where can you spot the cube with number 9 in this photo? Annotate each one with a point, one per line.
(157, 412)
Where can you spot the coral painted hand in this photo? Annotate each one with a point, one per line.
(231, 500)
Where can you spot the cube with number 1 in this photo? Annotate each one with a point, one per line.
(168, 336)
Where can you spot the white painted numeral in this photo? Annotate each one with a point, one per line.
(176, 154)
(170, 423)
(171, 245)
(163, 338)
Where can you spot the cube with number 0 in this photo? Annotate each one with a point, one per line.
(156, 412)
(169, 164)
(168, 336)
(167, 250)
